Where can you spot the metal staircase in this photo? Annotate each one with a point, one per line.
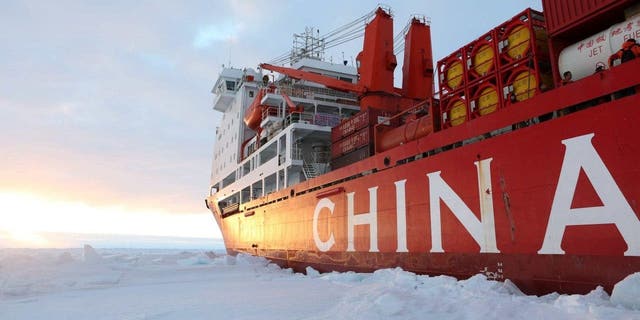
(309, 170)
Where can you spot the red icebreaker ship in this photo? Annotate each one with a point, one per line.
(522, 165)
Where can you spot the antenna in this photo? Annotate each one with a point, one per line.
(307, 45)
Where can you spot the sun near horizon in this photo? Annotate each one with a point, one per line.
(24, 216)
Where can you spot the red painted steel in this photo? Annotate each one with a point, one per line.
(522, 37)
(571, 22)
(351, 157)
(482, 57)
(524, 167)
(376, 64)
(351, 142)
(567, 16)
(417, 69)
(550, 205)
(452, 72)
(455, 109)
(485, 97)
(521, 82)
(332, 83)
(497, 58)
(527, 176)
(358, 121)
(412, 130)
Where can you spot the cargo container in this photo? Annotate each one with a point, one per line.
(522, 37)
(351, 142)
(583, 57)
(578, 16)
(521, 82)
(485, 98)
(324, 119)
(351, 157)
(451, 72)
(360, 120)
(571, 27)
(481, 57)
(455, 110)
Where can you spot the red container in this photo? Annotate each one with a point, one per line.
(455, 110)
(452, 73)
(582, 15)
(365, 118)
(485, 98)
(521, 83)
(569, 22)
(482, 57)
(522, 37)
(352, 142)
(352, 157)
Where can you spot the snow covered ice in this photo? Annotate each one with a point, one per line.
(173, 284)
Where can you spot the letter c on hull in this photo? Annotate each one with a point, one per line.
(322, 245)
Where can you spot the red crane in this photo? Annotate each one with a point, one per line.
(376, 64)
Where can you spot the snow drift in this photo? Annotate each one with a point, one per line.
(173, 284)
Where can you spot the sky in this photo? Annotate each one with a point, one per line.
(106, 120)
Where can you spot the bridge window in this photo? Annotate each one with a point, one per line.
(268, 153)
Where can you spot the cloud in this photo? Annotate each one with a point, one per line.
(210, 34)
(110, 103)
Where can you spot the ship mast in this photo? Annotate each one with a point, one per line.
(308, 44)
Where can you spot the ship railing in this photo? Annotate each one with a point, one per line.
(309, 92)
(299, 117)
(316, 164)
(231, 208)
(326, 119)
(317, 118)
(296, 153)
(270, 112)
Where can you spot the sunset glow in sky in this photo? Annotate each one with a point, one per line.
(25, 216)
(106, 120)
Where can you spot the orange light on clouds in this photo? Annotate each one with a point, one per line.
(23, 215)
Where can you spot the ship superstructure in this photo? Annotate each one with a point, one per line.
(275, 133)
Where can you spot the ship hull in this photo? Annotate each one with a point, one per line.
(551, 207)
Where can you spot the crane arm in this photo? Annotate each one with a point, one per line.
(329, 82)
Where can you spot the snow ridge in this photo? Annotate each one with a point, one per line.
(174, 284)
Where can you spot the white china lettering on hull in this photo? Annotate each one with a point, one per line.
(401, 216)
(322, 245)
(580, 154)
(370, 218)
(483, 232)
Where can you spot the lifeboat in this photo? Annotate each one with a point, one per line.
(253, 115)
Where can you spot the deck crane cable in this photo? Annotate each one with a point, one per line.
(398, 40)
(350, 31)
(345, 40)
